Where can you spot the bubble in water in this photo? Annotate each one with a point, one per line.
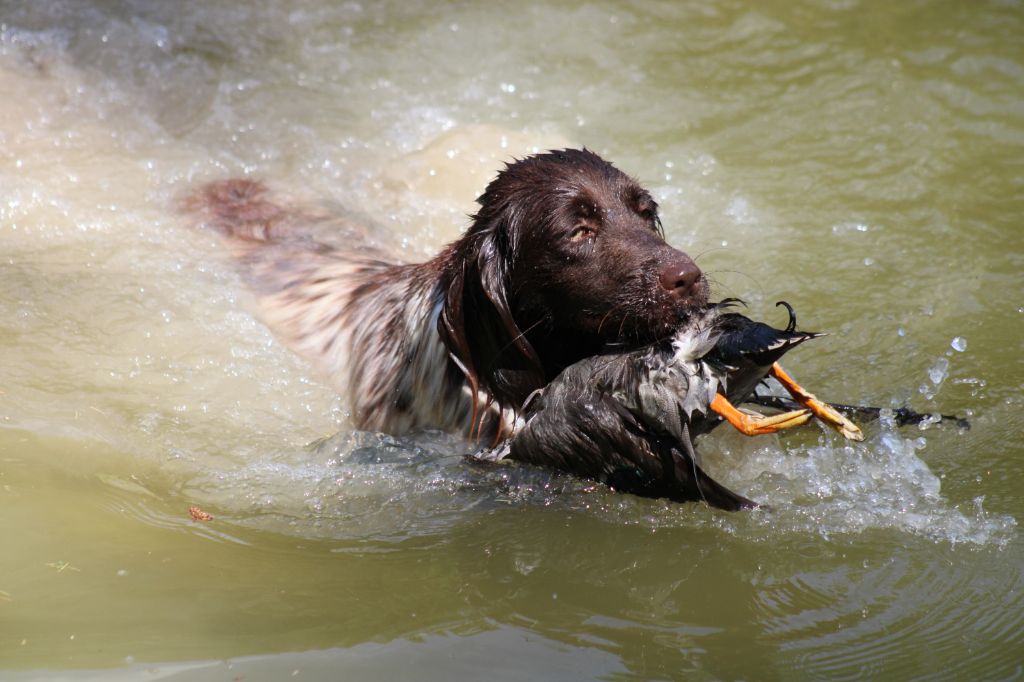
(959, 344)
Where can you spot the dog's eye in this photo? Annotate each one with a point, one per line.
(582, 232)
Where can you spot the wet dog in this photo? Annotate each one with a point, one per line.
(565, 256)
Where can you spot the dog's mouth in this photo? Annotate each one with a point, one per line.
(651, 319)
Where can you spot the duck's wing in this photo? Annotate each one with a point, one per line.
(591, 434)
(659, 390)
(621, 419)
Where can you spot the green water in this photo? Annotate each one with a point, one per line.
(861, 160)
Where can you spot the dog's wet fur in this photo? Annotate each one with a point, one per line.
(565, 256)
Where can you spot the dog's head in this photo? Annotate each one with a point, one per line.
(565, 256)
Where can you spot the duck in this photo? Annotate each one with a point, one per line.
(628, 418)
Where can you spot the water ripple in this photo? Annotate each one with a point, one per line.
(896, 618)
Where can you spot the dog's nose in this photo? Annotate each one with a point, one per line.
(682, 278)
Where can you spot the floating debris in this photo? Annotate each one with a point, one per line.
(198, 514)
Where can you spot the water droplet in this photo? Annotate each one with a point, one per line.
(939, 371)
(959, 344)
(847, 228)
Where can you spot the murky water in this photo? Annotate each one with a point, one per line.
(860, 160)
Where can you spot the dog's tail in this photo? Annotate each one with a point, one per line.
(242, 211)
(250, 216)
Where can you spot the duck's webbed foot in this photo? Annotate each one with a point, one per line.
(757, 424)
(821, 410)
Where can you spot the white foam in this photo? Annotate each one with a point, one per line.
(847, 489)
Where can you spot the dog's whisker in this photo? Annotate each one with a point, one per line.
(756, 282)
(708, 250)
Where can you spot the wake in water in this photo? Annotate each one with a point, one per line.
(361, 485)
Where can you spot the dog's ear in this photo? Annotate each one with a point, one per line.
(477, 323)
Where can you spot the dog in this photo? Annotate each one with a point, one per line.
(565, 256)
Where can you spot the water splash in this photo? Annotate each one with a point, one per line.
(880, 484)
(938, 372)
(372, 486)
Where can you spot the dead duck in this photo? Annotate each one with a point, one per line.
(629, 418)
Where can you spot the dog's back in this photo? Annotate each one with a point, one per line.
(339, 299)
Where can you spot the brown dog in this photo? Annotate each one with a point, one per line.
(565, 256)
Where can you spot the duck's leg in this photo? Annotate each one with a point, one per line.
(758, 424)
(904, 416)
(822, 411)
